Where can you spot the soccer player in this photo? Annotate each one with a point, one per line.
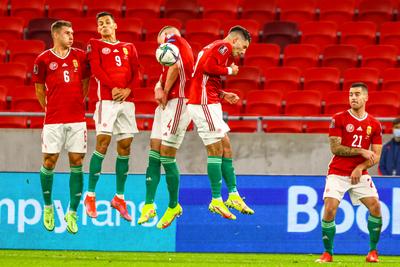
(206, 112)
(61, 77)
(115, 66)
(170, 123)
(351, 134)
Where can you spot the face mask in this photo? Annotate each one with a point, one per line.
(396, 133)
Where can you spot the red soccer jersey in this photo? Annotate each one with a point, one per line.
(211, 64)
(63, 80)
(185, 65)
(355, 132)
(113, 65)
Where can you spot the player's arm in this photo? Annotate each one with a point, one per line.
(229, 97)
(172, 76)
(338, 149)
(357, 172)
(213, 66)
(41, 94)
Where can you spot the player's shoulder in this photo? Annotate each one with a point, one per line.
(45, 53)
(77, 51)
(372, 119)
(221, 47)
(340, 114)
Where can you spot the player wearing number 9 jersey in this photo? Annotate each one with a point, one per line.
(61, 76)
(351, 134)
(115, 66)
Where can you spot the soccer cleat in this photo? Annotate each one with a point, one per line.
(325, 257)
(169, 216)
(372, 256)
(120, 205)
(217, 206)
(148, 212)
(90, 206)
(71, 218)
(48, 218)
(237, 203)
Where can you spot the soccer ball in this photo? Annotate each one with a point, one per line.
(167, 54)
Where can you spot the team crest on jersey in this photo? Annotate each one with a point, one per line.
(369, 130)
(222, 50)
(36, 69)
(106, 50)
(75, 62)
(125, 50)
(350, 128)
(53, 65)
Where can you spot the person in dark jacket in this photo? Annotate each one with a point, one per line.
(390, 158)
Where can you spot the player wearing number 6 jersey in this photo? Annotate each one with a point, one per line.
(61, 77)
(115, 66)
(206, 112)
(351, 134)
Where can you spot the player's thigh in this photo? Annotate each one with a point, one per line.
(105, 115)
(125, 124)
(76, 137)
(156, 132)
(336, 186)
(364, 189)
(53, 138)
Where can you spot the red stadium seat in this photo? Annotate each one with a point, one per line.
(390, 33)
(301, 56)
(283, 126)
(182, 10)
(146, 52)
(383, 104)
(85, 29)
(369, 76)
(324, 80)
(320, 33)
(144, 101)
(3, 48)
(336, 101)
(143, 9)
(24, 91)
(337, 11)
(3, 98)
(13, 122)
(297, 11)
(94, 6)
(241, 126)
(203, 31)
(265, 103)
(341, 57)
(359, 34)
(303, 103)
(220, 10)
(379, 56)
(129, 30)
(283, 79)
(26, 103)
(261, 10)
(151, 27)
(375, 11)
(390, 79)
(263, 56)
(251, 25)
(317, 126)
(247, 79)
(36, 122)
(25, 51)
(27, 9)
(40, 29)
(3, 7)
(12, 28)
(387, 127)
(281, 33)
(64, 9)
(12, 74)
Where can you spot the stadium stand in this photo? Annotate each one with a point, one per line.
(182, 10)
(27, 9)
(143, 9)
(297, 11)
(283, 79)
(322, 79)
(336, 11)
(301, 56)
(380, 57)
(319, 33)
(220, 10)
(264, 103)
(261, 11)
(280, 32)
(12, 28)
(64, 9)
(341, 57)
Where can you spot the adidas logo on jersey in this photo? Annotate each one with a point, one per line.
(65, 65)
(115, 51)
(359, 129)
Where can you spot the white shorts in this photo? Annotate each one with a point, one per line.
(336, 186)
(72, 135)
(209, 122)
(115, 118)
(170, 124)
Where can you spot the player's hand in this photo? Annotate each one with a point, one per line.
(125, 93)
(356, 175)
(235, 69)
(115, 93)
(369, 155)
(231, 98)
(160, 96)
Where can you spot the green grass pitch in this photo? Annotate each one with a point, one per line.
(88, 258)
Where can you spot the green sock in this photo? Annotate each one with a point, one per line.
(374, 228)
(215, 175)
(46, 180)
(121, 169)
(228, 172)
(75, 187)
(172, 177)
(328, 234)
(95, 170)
(152, 175)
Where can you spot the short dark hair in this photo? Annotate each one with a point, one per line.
(57, 25)
(165, 28)
(103, 14)
(396, 121)
(360, 84)
(241, 30)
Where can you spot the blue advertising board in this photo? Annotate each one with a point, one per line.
(287, 219)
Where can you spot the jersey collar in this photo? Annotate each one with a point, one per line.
(54, 53)
(359, 119)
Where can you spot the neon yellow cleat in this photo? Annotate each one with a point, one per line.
(169, 216)
(217, 206)
(148, 212)
(71, 218)
(48, 218)
(237, 203)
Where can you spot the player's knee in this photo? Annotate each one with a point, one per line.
(76, 161)
(375, 208)
(49, 163)
(330, 210)
(102, 146)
